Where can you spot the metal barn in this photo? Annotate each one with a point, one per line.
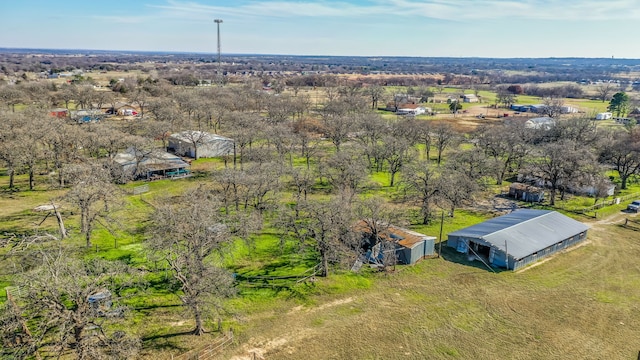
(517, 239)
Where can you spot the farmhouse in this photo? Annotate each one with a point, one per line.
(134, 164)
(514, 240)
(199, 144)
(410, 246)
(412, 109)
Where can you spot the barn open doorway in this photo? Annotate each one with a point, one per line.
(481, 250)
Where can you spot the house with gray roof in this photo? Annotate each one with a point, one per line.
(199, 144)
(151, 165)
(517, 239)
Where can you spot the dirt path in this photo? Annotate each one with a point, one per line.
(616, 218)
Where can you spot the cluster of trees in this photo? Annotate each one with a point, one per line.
(288, 154)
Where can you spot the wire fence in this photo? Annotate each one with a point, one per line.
(600, 205)
(209, 351)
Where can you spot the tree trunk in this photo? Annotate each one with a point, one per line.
(623, 186)
(63, 231)
(199, 329)
(11, 178)
(85, 227)
(31, 178)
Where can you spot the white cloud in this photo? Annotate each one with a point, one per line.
(437, 9)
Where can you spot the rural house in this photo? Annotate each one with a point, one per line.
(522, 237)
(134, 164)
(199, 144)
(412, 109)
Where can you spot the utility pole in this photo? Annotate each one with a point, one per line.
(218, 22)
(440, 242)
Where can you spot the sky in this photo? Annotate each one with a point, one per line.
(426, 28)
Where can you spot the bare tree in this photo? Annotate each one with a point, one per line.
(423, 186)
(552, 106)
(370, 130)
(94, 195)
(456, 190)
(506, 144)
(56, 314)
(337, 128)
(328, 227)
(559, 165)
(346, 171)
(396, 152)
(190, 234)
(623, 153)
(443, 136)
(604, 91)
(375, 92)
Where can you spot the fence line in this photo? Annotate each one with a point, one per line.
(278, 281)
(603, 204)
(209, 351)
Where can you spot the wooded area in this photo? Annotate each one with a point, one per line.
(312, 155)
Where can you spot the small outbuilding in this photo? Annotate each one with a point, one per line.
(410, 246)
(470, 98)
(522, 237)
(604, 116)
(544, 123)
(153, 165)
(525, 192)
(199, 144)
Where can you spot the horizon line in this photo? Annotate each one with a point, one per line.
(169, 52)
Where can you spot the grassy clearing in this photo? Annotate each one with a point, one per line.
(439, 309)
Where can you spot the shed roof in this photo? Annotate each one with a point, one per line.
(154, 160)
(202, 137)
(403, 237)
(524, 231)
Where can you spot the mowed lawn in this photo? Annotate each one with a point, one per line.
(581, 304)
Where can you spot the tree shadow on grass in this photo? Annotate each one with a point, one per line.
(166, 336)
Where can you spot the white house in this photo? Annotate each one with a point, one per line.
(197, 144)
(470, 98)
(417, 110)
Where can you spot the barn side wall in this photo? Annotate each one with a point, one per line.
(518, 264)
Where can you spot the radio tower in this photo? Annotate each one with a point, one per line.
(218, 22)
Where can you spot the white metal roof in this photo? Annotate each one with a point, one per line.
(524, 232)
